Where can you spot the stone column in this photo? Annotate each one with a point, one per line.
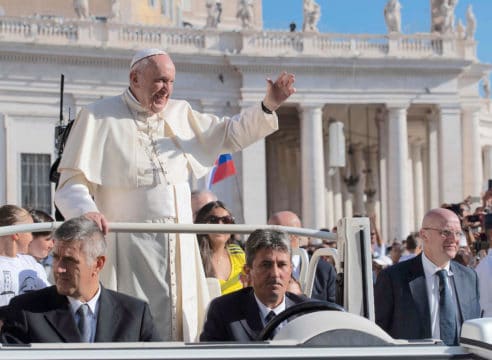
(373, 204)
(472, 151)
(253, 181)
(433, 158)
(418, 184)
(359, 163)
(450, 155)
(382, 122)
(397, 172)
(487, 164)
(313, 173)
(337, 196)
(329, 193)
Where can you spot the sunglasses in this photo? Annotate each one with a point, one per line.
(212, 219)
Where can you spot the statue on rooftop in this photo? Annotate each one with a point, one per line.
(460, 30)
(471, 23)
(81, 8)
(486, 86)
(115, 9)
(245, 12)
(443, 16)
(392, 16)
(214, 10)
(312, 14)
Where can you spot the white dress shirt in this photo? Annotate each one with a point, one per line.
(93, 311)
(484, 272)
(264, 310)
(432, 283)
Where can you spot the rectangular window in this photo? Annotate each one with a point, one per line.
(35, 181)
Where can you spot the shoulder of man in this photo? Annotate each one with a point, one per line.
(123, 299)
(297, 298)
(234, 298)
(456, 266)
(38, 300)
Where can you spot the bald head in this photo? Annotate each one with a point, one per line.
(200, 198)
(285, 218)
(288, 218)
(438, 217)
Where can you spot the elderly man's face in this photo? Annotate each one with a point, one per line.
(441, 238)
(270, 274)
(153, 86)
(73, 274)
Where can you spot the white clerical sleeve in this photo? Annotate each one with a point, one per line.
(73, 197)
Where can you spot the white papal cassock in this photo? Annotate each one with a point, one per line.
(133, 166)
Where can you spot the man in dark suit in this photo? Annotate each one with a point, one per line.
(241, 315)
(77, 308)
(429, 296)
(325, 276)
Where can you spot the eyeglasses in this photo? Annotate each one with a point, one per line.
(212, 219)
(447, 233)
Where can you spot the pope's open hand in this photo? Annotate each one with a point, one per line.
(99, 219)
(279, 91)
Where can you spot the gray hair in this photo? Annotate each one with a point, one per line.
(93, 243)
(266, 239)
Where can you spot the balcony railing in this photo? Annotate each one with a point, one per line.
(95, 33)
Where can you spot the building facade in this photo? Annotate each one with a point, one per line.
(416, 130)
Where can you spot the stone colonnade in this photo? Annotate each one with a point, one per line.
(410, 174)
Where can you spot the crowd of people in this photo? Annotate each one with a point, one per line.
(128, 159)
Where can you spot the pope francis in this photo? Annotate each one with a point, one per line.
(128, 159)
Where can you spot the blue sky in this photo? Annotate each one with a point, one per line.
(366, 16)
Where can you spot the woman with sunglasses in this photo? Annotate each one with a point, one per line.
(221, 258)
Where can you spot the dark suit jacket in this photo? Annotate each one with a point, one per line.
(401, 301)
(45, 316)
(324, 282)
(236, 316)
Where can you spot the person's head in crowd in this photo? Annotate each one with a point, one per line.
(200, 198)
(441, 233)
(380, 263)
(328, 242)
(214, 212)
(376, 240)
(79, 256)
(395, 252)
(460, 209)
(18, 243)
(42, 242)
(413, 244)
(268, 265)
(152, 74)
(294, 286)
(288, 218)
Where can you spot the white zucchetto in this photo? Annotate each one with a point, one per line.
(145, 53)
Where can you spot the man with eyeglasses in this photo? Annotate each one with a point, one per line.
(430, 295)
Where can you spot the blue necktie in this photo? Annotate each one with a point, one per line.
(84, 324)
(447, 311)
(269, 317)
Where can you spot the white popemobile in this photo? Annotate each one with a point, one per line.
(319, 331)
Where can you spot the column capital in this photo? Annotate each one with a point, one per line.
(399, 105)
(307, 106)
(471, 108)
(449, 108)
